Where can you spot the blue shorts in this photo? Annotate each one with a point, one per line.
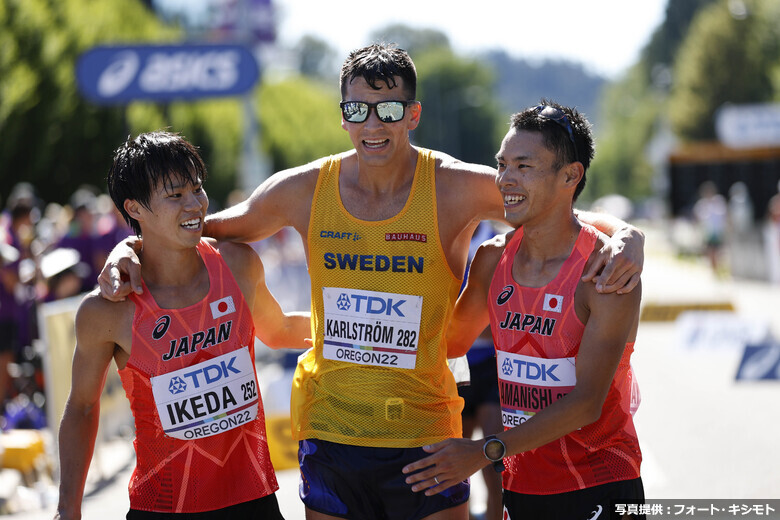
(362, 482)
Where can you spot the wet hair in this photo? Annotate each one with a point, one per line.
(152, 159)
(556, 138)
(377, 63)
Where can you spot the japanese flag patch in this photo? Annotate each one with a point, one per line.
(222, 307)
(553, 303)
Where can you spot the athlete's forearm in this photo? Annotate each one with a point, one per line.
(264, 213)
(461, 335)
(609, 224)
(295, 329)
(76, 445)
(576, 410)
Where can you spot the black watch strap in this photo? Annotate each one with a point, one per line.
(498, 465)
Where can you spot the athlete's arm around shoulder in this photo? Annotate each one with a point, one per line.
(468, 188)
(275, 328)
(470, 316)
(465, 195)
(103, 332)
(284, 199)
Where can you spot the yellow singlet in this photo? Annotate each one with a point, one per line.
(382, 293)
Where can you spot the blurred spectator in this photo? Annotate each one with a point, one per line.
(614, 204)
(24, 213)
(18, 325)
(772, 237)
(82, 235)
(711, 214)
(9, 261)
(740, 208)
(111, 226)
(63, 273)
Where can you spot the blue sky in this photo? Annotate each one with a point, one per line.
(605, 35)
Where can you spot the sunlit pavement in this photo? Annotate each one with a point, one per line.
(703, 434)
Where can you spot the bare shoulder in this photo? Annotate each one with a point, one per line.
(448, 166)
(301, 178)
(95, 306)
(102, 318)
(468, 188)
(241, 259)
(284, 199)
(489, 253)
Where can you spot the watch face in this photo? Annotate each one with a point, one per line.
(495, 449)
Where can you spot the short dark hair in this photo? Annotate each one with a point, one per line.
(380, 62)
(556, 138)
(151, 159)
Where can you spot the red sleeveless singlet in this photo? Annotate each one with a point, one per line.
(537, 336)
(200, 428)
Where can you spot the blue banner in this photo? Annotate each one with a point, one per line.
(119, 74)
(760, 362)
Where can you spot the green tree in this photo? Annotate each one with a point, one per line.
(52, 137)
(317, 58)
(414, 41)
(460, 115)
(658, 55)
(628, 124)
(729, 56)
(57, 140)
(635, 107)
(300, 121)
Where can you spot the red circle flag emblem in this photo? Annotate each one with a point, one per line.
(222, 307)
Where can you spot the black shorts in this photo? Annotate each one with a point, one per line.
(358, 482)
(597, 502)
(265, 508)
(483, 388)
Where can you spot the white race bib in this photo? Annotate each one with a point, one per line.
(211, 397)
(371, 328)
(528, 384)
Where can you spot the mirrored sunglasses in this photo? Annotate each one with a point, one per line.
(386, 111)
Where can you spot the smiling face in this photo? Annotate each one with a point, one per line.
(530, 184)
(376, 142)
(175, 212)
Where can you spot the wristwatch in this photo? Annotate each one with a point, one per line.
(495, 451)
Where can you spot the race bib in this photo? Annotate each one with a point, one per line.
(211, 397)
(371, 328)
(528, 384)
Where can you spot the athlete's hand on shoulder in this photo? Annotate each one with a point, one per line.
(616, 265)
(452, 461)
(121, 274)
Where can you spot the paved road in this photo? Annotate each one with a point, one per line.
(703, 434)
